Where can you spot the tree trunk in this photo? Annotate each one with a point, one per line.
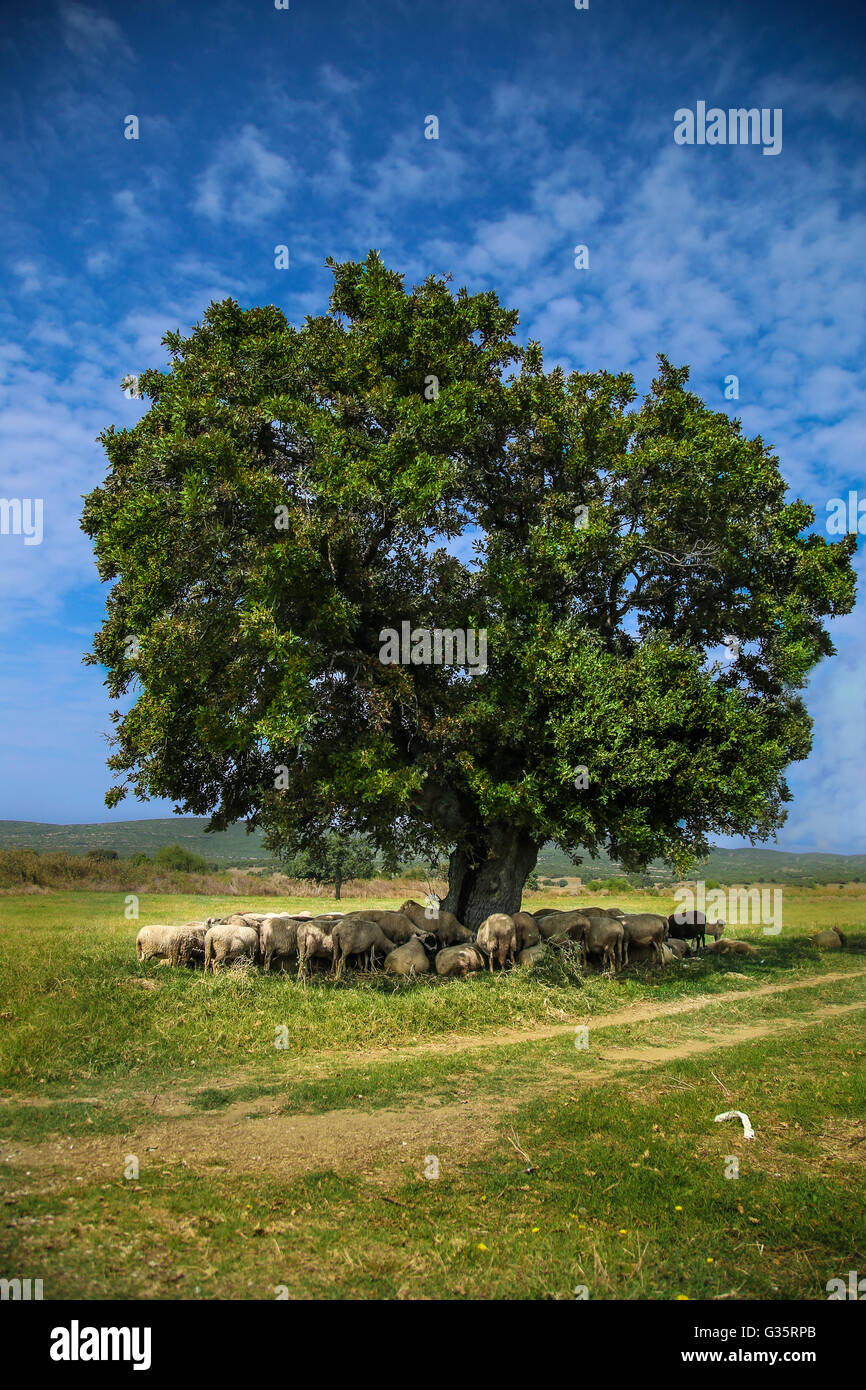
(481, 884)
(338, 883)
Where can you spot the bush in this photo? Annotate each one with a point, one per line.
(532, 880)
(180, 859)
(101, 856)
(139, 858)
(560, 966)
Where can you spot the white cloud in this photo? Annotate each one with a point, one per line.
(90, 35)
(247, 183)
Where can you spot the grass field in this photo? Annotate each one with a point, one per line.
(156, 1143)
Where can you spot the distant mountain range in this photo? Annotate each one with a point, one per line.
(235, 848)
(725, 865)
(229, 848)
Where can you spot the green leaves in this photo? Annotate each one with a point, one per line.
(291, 492)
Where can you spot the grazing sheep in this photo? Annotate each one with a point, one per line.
(531, 954)
(459, 960)
(605, 938)
(728, 947)
(396, 925)
(443, 925)
(497, 938)
(229, 943)
(830, 940)
(313, 940)
(408, 959)
(278, 936)
(176, 945)
(687, 924)
(643, 929)
(527, 930)
(236, 919)
(357, 936)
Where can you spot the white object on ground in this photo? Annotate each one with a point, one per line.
(748, 1132)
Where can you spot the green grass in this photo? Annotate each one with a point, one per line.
(609, 1169)
(74, 1010)
(613, 1144)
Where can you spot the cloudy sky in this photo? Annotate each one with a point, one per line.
(306, 127)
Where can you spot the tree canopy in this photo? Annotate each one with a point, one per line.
(332, 859)
(291, 492)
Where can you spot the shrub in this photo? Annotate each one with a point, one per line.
(180, 859)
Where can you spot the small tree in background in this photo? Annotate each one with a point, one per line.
(334, 859)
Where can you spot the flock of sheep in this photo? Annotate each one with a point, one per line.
(415, 940)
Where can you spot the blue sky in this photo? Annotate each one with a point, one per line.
(305, 127)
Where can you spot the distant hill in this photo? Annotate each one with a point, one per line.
(725, 865)
(231, 848)
(234, 847)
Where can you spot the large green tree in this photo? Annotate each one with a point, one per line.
(293, 491)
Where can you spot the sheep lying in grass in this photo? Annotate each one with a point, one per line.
(830, 940)
(497, 938)
(649, 953)
(174, 945)
(459, 960)
(408, 959)
(530, 955)
(728, 947)
(355, 936)
(678, 948)
(228, 943)
(443, 925)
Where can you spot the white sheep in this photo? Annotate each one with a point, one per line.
(278, 936)
(177, 945)
(228, 943)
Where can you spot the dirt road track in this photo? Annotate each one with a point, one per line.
(252, 1136)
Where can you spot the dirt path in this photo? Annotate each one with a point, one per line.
(252, 1136)
(314, 1067)
(634, 1013)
